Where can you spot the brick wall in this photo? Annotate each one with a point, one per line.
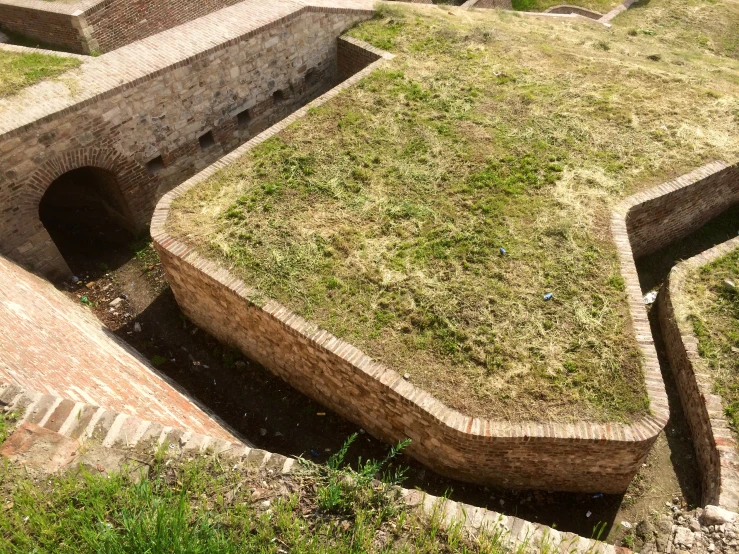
(567, 9)
(671, 211)
(714, 444)
(114, 23)
(353, 56)
(226, 90)
(54, 346)
(575, 457)
(656, 218)
(47, 22)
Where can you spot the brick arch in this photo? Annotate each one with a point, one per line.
(137, 187)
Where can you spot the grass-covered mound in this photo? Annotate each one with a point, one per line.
(714, 311)
(381, 215)
(18, 71)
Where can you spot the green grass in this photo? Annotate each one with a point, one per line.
(18, 71)
(6, 423)
(209, 506)
(715, 316)
(380, 215)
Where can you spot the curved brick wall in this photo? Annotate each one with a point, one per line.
(575, 457)
(714, 444)
(653, 219)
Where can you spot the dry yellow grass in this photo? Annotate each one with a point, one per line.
(381, 214)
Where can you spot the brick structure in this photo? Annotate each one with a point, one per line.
(154, 121)
(53, 346)
(52, 23)
(576, 457)
(91, 26)
(655, 218)
(715, 446)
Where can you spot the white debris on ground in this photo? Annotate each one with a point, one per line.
(710, 530)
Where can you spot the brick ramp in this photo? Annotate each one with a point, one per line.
(50, 431)
(50, 344)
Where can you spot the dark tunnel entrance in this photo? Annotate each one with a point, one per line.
(86, 216)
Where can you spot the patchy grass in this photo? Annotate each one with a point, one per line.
(7, 421)
(714, 311)
(18, 71)
(602, 6)
(208, 506)
(380, 216)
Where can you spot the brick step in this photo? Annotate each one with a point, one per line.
(85, 422)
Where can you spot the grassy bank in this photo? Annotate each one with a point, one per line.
(381, 215)
(714, 311)
(208, 506)
(18, 71)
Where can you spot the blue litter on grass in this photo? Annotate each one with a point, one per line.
(548, 296)
(502, 252)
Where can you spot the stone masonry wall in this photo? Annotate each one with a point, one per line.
(54, 346)
(715, 446)
(150, 133)
(575, 457)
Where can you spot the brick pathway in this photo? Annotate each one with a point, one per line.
(49, 344)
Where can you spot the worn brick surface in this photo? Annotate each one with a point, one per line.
(53, 346)
(576, 457)
(148, 100)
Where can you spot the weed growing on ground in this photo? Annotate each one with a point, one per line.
(18, 71)
(381, 215)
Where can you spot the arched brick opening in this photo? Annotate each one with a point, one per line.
(134, 191)
(86, 216)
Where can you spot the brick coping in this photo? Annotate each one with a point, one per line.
(645, 430)
(129, 66)
(726, 482)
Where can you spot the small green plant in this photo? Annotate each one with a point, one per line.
(6, 422)
(344, 488)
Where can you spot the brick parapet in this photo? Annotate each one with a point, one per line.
(581, 456)
(715, 445)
